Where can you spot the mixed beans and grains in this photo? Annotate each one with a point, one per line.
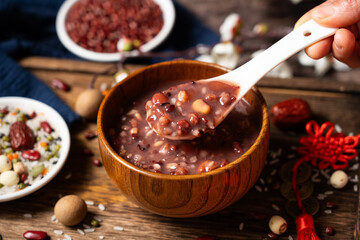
(29, 148)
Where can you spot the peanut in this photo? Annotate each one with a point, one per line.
(183, 96)
(200, 106)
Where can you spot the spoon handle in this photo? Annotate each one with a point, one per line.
(247, 75)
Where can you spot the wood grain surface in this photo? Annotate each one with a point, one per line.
(334, 97)
(81, 177)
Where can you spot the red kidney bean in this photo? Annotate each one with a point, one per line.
(223, 162)
(159, 98)
(60, 84)
(46, 127)
(23, 177)
(207, 166)
(181, 171)
(206, 238)
(97, 25)
(272, 235)
(4, 111)
(237, 148)
(259, 216)
(97, 162)
(194, 119)
(31, 155)
(35, 235)
(329, 231)
(330, 204)
(169, 107)
(87, 152)
(32, 115)
(90, 135)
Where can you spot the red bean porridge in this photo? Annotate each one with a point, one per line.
(190, 109)
(136, 142)
(98, 25)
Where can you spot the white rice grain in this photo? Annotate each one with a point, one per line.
(101, 237)
(67, 237)
(290, 237)
(97, 218)
(118, 228)
(272, 162)
(89, 230)
(53, 218)
(356, 188)
(258, 188)
(273, 172)
(86, 226)
(354, 167)
(329, 192)
(58, 232)
(80, 231)
(275, 207)
(101, 207)
(241, 226)
(28, 215)
(328, 211)
(338, 128)
(88, 202)
(262, 181)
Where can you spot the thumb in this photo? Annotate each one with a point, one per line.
(337, 13)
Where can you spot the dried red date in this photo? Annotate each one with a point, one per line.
(31, 155)
(290, 114)
(46, 127)
(60, 84)
(21, 136)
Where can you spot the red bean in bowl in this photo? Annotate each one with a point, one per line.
(98, 25)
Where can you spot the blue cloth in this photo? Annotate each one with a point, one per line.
(27, 28)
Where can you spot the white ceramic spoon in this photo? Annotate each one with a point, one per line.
(247, 75)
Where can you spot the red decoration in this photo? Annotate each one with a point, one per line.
(322, 148)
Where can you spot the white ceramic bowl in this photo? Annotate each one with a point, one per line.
(166, 6)
(57, 123)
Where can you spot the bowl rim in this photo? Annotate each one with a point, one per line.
(166, 6)
(56, 120)
(262, 134)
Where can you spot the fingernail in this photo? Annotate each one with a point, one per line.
(323, 11)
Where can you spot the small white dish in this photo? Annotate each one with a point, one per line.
(57, 123)
(166, 6)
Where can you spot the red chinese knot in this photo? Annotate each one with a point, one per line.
(323, 148)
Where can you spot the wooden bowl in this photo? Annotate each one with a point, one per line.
(182, 195)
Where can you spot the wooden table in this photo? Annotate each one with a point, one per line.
(336, 102)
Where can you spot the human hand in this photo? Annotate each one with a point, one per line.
(345, 44)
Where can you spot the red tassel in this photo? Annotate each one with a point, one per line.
(305, 227)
